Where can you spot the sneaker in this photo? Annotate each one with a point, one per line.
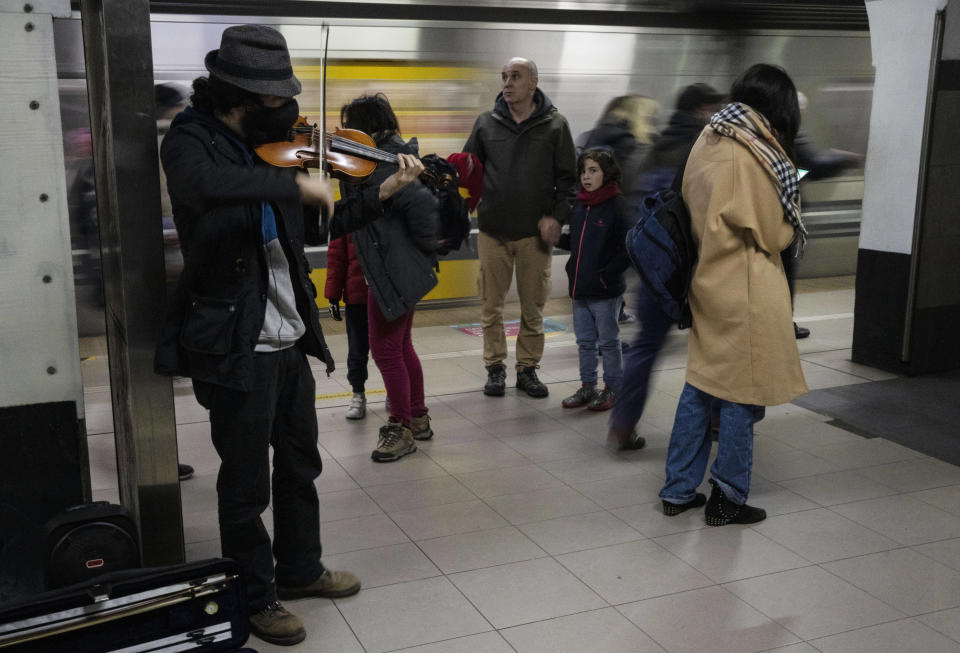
(602, 401)
(674, 509)
(633, 441)
(330, 585)
(528, 382)
(184, 471)
(583, 396)
(396, 441)
(721, 511)
(420, 427)
(275, 625)
(496, 380)
(358, 406)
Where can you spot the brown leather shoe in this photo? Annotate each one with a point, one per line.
(275, 625)
(330, 585)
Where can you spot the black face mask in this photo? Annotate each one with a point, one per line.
(267, 125)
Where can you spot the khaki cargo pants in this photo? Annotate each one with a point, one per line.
(497, 261)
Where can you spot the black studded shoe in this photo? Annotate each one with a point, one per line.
(721, 511)
(674, 509)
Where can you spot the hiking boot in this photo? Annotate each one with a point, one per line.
(358, 406)
(602, 401)
(496, 380)
(583, 396)
(721, 511)
(330, 585)
(528, 382)
(184, 471)
(275, 625)
(396, 441)
(420, 427)
(674, 509)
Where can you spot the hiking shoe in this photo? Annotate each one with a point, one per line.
(330, 585)
(496, 380)
(583, 396)
(721, 511)
(420, 427)
(184, 471)
(358, 406)
(673, 509)
(275, 625)
(396, 441)
(602, 401)
(528, 382)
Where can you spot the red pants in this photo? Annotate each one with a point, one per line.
(392, 350)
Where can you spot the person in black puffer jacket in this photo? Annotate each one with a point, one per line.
(397, 256)
(598, 259)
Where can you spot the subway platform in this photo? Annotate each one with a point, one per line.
(516, 529)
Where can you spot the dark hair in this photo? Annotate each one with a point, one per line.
(696, 96)
(769, 90)
(371, 114)
(215, 96)
(604, 158)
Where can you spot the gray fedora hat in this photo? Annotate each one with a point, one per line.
(254, 58)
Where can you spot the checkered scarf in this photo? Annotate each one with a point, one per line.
(743, 124)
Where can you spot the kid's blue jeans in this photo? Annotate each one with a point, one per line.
(690, 443)
(596, 327)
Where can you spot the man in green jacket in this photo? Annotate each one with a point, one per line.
(529, 177)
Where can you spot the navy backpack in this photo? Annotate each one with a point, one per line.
(662, 250)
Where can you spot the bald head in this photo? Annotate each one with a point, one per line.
(519, 78)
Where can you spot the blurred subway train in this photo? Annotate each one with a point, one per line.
(440, 76)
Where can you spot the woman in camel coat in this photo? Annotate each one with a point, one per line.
(740, 187)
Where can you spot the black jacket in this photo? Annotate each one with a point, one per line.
(598, 252)
(216, 312)
(529, 169)
(668, 153)
(396, 253)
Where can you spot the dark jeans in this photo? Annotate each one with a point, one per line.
(638, 362)
(358, 346)
(278, 411)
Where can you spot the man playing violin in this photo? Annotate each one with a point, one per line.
(243, 316)
(529, 173)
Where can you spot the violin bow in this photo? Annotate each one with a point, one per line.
(325, 35)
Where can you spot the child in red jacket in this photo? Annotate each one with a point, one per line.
(345, 280)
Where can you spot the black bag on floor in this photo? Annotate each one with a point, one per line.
(88, 540)
(199, 606)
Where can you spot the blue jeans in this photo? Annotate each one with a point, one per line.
(640, 356)
(595, 325)
(690, 447)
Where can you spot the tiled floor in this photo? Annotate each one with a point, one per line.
(515, 529)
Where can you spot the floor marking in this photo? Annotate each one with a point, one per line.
(821, 318)
(343, 395)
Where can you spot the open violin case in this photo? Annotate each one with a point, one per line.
(198, 606)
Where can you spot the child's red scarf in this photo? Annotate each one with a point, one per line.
(602, 194)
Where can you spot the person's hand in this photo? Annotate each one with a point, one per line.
(335, 309)
(549, 230)
(316, 189)
(409, 168)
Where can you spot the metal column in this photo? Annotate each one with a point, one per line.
(119, 63)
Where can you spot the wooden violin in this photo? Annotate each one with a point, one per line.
(348, 154)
